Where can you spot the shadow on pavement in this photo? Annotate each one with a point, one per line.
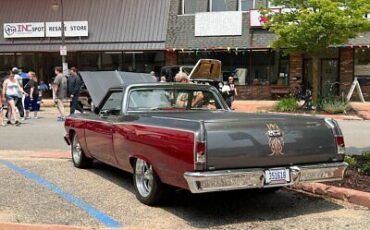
(216, 209)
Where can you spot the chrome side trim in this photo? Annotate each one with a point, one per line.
(223, 180)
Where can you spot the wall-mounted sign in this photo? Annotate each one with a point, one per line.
(24, 30)
(71, 29)
(228, 23)
(63, 50)
(45, 29)
(257, 19)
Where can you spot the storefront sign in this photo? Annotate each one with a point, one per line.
(228, 23)
(45, 29)
(257, 19)
(24, 30)
(71, 29)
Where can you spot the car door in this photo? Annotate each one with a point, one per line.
(99, 132)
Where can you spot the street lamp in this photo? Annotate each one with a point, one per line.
(55, 6)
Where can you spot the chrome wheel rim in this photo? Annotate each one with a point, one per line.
(144, 177)
(76, 150)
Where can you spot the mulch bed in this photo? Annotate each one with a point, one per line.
(353, 180)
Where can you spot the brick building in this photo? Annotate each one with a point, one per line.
(196, 29)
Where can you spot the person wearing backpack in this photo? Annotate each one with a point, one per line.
(60, 87)
(74, 88)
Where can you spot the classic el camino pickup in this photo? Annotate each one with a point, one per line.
(185, 136)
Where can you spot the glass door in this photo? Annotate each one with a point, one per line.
(329, 77)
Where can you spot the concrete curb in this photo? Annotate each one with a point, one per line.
(344, 194)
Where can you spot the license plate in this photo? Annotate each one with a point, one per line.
(277, 176)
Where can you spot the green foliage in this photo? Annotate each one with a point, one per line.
(365, 168)
(313, 25)
(288, 104)
(366, 155)
(334, 106)
(351, 161)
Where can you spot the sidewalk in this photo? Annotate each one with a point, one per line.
(362, 109)
(253, 106)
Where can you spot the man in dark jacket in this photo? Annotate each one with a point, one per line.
(74, 88)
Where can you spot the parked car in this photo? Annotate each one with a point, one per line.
(185, 136)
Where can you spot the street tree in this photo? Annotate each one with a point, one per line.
(311, 26)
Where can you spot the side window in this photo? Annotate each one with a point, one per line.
(113, 104)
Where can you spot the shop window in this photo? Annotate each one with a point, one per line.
(26, 61)
(194, 6)
(246, 5)
(362, 65)
(280, 71)
(7, 62)
(261, 67)
(90, 61)
(143, 62)
(224, 5)
(260, 4)
(111, 61)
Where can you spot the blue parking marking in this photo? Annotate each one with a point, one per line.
(93, 212)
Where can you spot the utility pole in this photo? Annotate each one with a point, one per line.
(63, 48)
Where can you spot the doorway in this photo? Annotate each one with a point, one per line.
(329, 81)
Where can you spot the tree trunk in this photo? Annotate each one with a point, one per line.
(315, 77)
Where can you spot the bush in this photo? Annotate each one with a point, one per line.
(351, 161)
(288, 104)
(334, 106)
(366, 155)
(365, 168)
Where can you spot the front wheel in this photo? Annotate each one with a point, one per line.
(148, 187)
(79, 158)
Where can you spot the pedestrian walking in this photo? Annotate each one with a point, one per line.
(229, 91)
(31, 101)
(19, 102)
(11, 89)
(1, 107)
(60, 87)
(74, 89)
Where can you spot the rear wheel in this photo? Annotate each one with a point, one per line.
(148, 187)
(79, 158)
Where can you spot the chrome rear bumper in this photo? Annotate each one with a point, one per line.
(211, 181)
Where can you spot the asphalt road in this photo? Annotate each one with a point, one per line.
(356, 136)
(52, 191)
(110, 191)
(47, 134)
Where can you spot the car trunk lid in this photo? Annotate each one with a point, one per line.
(267, 142)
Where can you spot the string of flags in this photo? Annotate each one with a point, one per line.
(243, 49)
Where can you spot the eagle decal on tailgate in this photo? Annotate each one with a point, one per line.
(276, 139)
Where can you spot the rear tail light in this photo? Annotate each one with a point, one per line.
(341, 148)
(200, 152)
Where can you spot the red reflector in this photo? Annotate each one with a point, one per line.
(340, 141)
(201, 148)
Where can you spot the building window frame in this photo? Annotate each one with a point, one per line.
(240, 6)
(183, 13)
